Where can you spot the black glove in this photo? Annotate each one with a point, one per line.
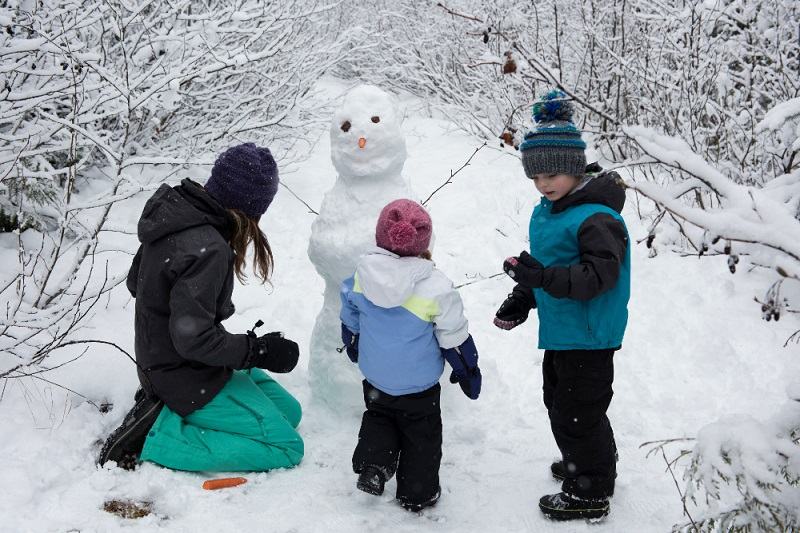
(514, 310)
(525, 270)
(272, 352)
(350, 341)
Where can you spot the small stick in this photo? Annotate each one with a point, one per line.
(223, 483)
(450, 179)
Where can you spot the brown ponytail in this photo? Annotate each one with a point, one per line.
(245, 231)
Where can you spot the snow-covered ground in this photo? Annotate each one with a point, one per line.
(695, 350)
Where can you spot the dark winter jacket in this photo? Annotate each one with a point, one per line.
(582, 241)
(182, 279)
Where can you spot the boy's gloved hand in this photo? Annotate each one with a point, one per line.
(350, 341)
(525, 270)
(272, 352)
(464, 360)
(514, 310)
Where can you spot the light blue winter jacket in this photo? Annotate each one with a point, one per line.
(404, 311)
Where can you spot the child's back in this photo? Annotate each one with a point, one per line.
(401, 318)
(397, 300)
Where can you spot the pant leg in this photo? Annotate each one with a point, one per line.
(283, 400)
(578, 419)
(420, 422)
(549, 378)
(239, 430)
(379, 437)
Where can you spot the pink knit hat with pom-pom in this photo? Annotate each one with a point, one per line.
(404, 227)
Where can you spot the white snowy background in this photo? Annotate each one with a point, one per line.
(695, 350)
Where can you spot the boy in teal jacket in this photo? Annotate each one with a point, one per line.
(577, 275)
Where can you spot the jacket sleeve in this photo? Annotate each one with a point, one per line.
(133, 274)
(602, 242)
(450, 326)
(192, 321)
(349, 313)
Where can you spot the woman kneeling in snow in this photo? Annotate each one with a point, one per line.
(204, 402)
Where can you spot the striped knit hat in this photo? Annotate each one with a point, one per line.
(554, 145)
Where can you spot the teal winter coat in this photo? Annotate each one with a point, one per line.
(583, 243)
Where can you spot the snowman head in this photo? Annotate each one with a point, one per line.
(366, 141)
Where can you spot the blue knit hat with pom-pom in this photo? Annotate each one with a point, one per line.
(554, 145)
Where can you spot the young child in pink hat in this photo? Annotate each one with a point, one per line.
(401, 319)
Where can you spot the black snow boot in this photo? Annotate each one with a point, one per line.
(417, 507)
(563, 506)
(371, 480)
(124, 445)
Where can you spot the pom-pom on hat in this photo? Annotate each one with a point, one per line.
(244, 177)
(554, 145)
(404, 228)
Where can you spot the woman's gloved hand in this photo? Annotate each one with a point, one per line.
(273, 352)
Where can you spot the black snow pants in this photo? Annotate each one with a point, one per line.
(577, 393)
(402, 434)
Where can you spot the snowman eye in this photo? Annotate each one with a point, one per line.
(376, 119)
(346, 126)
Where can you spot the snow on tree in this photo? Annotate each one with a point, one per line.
(103, 100)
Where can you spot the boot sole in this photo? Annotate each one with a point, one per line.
(105, 454)
(369, 489)
(574, 514)
(418, 507)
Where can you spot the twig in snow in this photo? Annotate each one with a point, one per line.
(658, 446)
(452, 174)
(479, 280)
(282, 184)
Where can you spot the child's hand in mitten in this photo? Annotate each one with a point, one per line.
(350, 341)
(525, 270)
(514, 310)
(464, 360)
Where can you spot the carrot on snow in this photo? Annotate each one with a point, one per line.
(223, 483)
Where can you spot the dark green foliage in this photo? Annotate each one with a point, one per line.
(10, 222)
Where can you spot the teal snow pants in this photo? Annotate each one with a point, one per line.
(248, 426)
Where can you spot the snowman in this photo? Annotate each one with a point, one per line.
(368, 151)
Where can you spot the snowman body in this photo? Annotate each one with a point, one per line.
(368, 152)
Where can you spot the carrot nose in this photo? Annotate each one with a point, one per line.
(362, 142)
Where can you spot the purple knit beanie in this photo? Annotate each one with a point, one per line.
(404, 227)
(244, 177)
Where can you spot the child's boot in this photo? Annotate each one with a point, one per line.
(564, 506)
(371, 480)
(417, 507)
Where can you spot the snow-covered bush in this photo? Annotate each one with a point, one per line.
(106, 99)
(744, 474)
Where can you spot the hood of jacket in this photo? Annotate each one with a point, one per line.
(387, 279)
(174, 209)
(605, 188)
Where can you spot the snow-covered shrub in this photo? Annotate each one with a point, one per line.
(744, 474)
(101, 100)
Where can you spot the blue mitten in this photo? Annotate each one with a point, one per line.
(464, 360)
(350, 341)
